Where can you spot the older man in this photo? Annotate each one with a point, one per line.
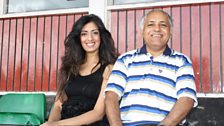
(152, 85)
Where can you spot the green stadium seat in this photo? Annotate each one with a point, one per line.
(23, 109)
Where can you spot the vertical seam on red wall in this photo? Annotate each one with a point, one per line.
(210, 28)
(2, 43)
(221, 39)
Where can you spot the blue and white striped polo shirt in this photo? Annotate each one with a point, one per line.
(149, 87)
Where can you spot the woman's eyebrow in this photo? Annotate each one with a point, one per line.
(90, 31)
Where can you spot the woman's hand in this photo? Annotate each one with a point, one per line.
(49, 124)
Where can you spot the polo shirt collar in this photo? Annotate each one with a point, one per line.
(167, 51)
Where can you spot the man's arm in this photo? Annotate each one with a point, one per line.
(112, 109)
(180, 110)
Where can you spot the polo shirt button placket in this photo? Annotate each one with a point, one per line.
(151, 61)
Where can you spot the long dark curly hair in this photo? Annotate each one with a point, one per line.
(75, 54)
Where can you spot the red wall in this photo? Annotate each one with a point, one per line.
(30, 51)
(31, 47)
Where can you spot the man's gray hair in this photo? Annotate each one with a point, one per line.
(156, 10)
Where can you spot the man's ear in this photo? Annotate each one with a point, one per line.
(141, 31)
(171, 32)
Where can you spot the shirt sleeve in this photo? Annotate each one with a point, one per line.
(118, 78)
(185, 83)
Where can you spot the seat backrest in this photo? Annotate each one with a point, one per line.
(29, 103)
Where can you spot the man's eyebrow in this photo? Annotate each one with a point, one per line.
(152, 21)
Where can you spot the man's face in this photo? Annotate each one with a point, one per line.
(156, 32)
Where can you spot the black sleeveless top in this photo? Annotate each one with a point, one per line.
(82, 93)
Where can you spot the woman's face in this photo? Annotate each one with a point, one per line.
(90, 37)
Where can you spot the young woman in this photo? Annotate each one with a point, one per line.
(86, 66)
